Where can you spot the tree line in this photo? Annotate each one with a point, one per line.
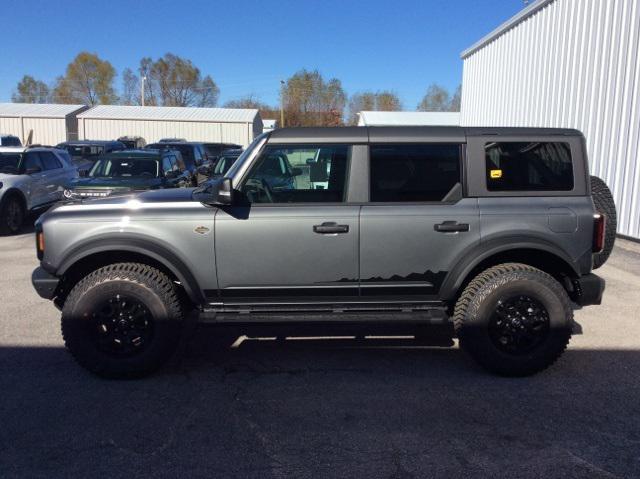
(308, 99)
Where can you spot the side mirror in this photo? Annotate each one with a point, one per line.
(296, 171)
(33, 170)
(310, 161)
(215, 192)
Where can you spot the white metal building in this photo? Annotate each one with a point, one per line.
(229, 125)
(408, 118)
(567, 63)
(50, 123)
(269, 125)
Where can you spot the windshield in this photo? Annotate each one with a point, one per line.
(235, 168)
(125, 168)
(9, 162)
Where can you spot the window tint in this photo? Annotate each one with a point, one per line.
(413, 172)
(522, 166)
(166, 164)
(32, 160)
(299, 174)
(49, 161)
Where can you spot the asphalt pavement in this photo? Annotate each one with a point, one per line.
(329, 408)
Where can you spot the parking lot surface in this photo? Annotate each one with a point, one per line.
(330, 408)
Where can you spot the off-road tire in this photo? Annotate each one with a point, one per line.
(145, 284)
(478, 302)
(8, 227)
(603, 201)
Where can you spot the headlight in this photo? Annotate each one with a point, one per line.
(68, 194)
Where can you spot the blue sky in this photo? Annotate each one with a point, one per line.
(248, 45)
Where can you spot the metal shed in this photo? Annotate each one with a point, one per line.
(229, 125)
(567, 63)
(51, 123)
(408, 118)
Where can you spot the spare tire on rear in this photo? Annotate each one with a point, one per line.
(603, 201)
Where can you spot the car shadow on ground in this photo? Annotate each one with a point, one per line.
(319, 408)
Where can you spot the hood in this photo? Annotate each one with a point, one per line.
(169, 195)
(115, 183)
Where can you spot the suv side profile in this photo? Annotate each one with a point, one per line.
(30, 178)
(129, 171)
(490, 233)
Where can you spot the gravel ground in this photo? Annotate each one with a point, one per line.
(332, 408)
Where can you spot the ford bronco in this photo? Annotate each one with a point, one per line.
(492, 231)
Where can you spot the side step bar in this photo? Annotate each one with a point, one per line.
(424, 313)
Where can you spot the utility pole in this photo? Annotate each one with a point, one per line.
(281, 103)
(142, 80)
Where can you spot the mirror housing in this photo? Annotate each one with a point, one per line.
(216, 192)
(296, 171)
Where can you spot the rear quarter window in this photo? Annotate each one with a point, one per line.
(528, 166)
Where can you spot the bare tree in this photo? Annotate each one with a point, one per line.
(130, 88)
(370, 101)
(437, 98)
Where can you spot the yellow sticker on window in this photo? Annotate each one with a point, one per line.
(495, 174)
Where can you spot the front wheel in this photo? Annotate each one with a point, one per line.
(513, 319)
(122, 321)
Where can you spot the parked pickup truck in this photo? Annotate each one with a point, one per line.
(492, 231)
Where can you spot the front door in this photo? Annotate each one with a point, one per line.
(417, 223)
(289, 241)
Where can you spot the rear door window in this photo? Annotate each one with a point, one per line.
(413, 173)
(49, 161)
(528, 166)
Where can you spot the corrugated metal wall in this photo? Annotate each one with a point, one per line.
(575, 64)
(46, 131)
(153, 130)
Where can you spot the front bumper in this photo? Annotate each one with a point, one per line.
(44, 283)
(588, 289)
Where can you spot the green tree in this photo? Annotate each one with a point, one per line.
(88, 80)
(437, 98)
(30, 90)
(370, 101)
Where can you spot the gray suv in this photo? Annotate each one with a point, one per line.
(31, 178)
(490, 233)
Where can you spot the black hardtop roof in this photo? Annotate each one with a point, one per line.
(136, 153)
(380, 134)
(90, 142)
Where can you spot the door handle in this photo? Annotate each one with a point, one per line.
(329, 228)
(451, 227)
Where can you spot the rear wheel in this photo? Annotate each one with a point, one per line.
(123, 320)
(11, 215)
(513, 319)
(603, 201)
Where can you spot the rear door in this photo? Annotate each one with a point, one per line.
(55, 174)
(417, 223)
(38, 193)
(289, 241)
